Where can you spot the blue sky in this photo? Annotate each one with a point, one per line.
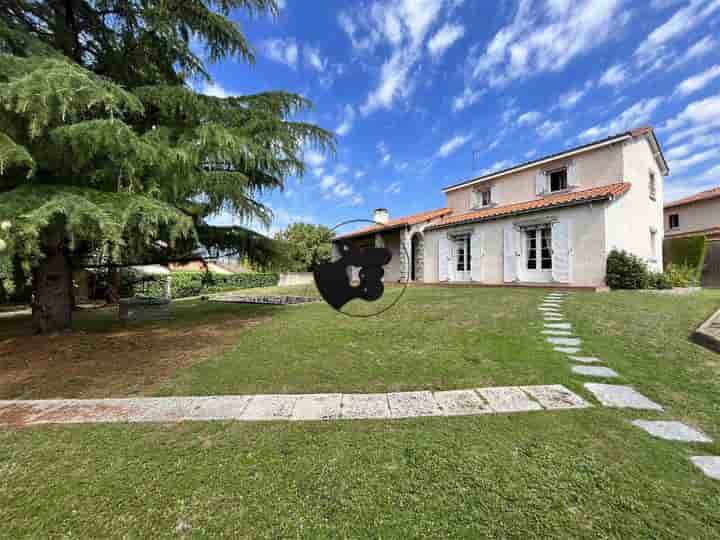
(425, 93)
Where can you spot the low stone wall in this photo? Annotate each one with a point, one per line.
(296, 278)
(708, 335)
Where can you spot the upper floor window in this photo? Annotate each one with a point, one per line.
(674, 221)
(558, 179)
(652, 187)
(481, 198)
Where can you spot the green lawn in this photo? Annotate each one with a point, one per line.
(585, 473)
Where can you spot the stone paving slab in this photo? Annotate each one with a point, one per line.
(549, 309)
(568, 350)
(365, 406)
(508, 399)
(411, 404)
(556, 396)
(564, 342)
(672, 431)
(559, 326)
(613, 395)
(553, 332)
(461, 402)
(585, 359)
(553, 318)
(709, 465)
(317, 407)
(595, 371)
(270, 407)
(289, 407)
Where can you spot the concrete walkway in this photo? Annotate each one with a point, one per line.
(510, 399)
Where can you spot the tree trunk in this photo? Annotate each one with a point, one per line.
(52, 284)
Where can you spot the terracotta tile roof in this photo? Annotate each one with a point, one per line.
(413, 219)
(702, 196)
(564, 199)
(712, 232)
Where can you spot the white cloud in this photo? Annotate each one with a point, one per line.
(319, 171)
(466, 99)
(698, 117)
(698, 82)
(632, 117)
(701, 141)
(395, 82)
(569, 99)
(497, 166)
(699, 49)
(342, 169)
(530, 153)
(360, 174)
(550, 128)
(281, 4)
(284, 51)
(314, 59)
(682, 21)
(314, 158)
(384, 154)
(327, 182)
(214, 89)
(393, 188)
(613, 76)
(402, 25)
(529, 118)
(681, 165)
(451, 145)
(347, 121)
(537, 41)
(444, 38)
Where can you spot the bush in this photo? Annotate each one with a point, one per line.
(626, 271)
(682, 275)
(185, 284)
(686, 253)
(659, 280)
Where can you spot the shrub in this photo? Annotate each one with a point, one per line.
(185, 284)
(683, 275)
(626, 271)
(687, 253)
(659, 280)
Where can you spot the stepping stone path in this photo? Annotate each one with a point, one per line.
(568, 350)
(565, 342)
(553, 332)
(612, 395)
(559, 326)
(672, 431)
(585, 359)
(595, 371)
(709, 465)
(291, 407)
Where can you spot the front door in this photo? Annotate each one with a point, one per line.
(462, 257)
(538, 254)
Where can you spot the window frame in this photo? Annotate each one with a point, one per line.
(478, 197)
(652, 185)
(677, 221)
(549, 175)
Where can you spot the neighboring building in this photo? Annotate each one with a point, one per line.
(551, 220)
(696, 215)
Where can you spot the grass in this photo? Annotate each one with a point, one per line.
(586, 473)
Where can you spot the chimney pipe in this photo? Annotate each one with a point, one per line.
(381, 215)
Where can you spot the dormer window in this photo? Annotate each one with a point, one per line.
(482, 198)
(558, 179)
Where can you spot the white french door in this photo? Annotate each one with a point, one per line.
(538, 254)
(462, 257)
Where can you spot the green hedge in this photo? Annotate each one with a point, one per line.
(186, 284)
(686, 252)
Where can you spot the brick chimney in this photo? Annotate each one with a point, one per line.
(381, 215)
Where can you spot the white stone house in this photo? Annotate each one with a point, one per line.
(552, 220)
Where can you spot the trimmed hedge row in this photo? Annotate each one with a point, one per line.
(184, 284)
